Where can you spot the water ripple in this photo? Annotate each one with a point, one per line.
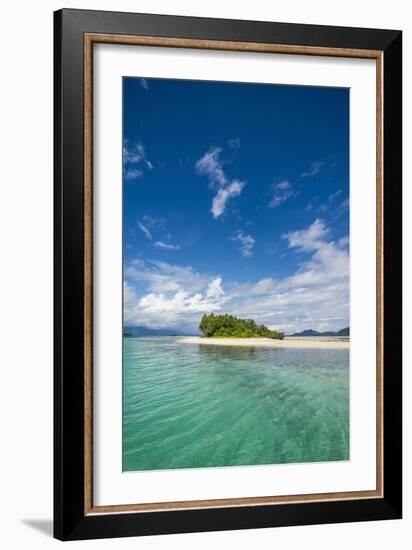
(187, 406)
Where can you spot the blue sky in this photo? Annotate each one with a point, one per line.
(236, 200)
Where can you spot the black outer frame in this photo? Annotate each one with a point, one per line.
(70, 522)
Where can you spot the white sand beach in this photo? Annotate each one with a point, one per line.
(288, 342)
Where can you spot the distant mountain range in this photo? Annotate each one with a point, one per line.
(147, 331)
(310, 332)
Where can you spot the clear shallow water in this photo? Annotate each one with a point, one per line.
(193, 406)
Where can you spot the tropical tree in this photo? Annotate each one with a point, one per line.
(230, 326)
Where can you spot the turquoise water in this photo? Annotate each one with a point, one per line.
(193, 406)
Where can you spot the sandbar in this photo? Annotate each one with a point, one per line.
(312, 342)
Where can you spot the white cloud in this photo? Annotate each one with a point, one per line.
(308, 239)
(152, 221)
(223, 195)
(324, 278)
(214, 289)
(340, 210)
(166, 246)
(157, 225)
(133, 154)
(211, 165)
(344, 205)
(313, 169)
(164, 277)
(145, 231)
(133, 174)
(135, 160)
(143, 83)
(315, 296)
(277, 201)
(181, 308)
(343, 242)
(262, 287)
(246, 243)
(130, 300)
(283, 185)
(333, 196)
(281, 193)
(181, 302)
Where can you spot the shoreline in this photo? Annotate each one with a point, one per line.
(312, 342)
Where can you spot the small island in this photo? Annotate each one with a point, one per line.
(228, 330)
(229, 326)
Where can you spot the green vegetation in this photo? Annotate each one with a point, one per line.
(228, 326)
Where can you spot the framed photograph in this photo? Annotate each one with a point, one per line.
(227, 274)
